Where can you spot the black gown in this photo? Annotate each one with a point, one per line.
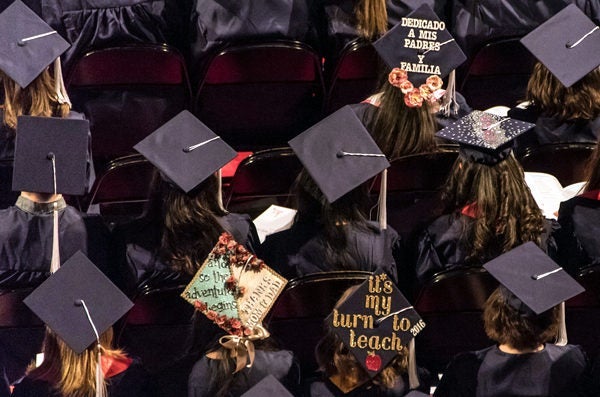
(555, 371)
(325, 388)
(279, 363)
(133, 382)
(441, 245)
(578, 239)
(300, 250)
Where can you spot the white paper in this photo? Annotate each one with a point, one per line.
(549, 193)
(274, 219)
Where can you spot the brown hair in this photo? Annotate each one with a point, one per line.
(37, 99)
(400, 130)
(72, 374)
(505, 325)
(506, 212)
(190, 227)
(335, 358)
(580, 101)
(371, 18)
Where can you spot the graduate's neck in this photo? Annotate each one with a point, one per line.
(506, 348)
(41, 197)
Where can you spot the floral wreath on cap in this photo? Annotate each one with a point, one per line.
(431, 91)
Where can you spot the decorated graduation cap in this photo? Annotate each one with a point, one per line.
(533, 282)
(568, 44)
(79, 303)
(485, 138)
(185, 151)
(339, 153)
(376, 322)
(28, 46)
(421, 45)
(235, 289)
(51, 156)
(268, 386)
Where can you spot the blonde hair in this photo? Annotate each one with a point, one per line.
(371, 18)
(72, 374)
(39, 98)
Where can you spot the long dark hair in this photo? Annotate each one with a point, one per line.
(330, 218)
(400, 130)
(506, 212)
(190, 228)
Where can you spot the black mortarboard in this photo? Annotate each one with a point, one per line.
(268, 386)
(186, 151)
(421, 45)
(533, 278)
(41, 139)
(28, 45)
(376, 323)
(58, 302)
(568, 44)
(339, 153)
(485, 138)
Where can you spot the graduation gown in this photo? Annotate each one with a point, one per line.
(578, 239)
(554, 371)
(326, 388)
(441, 246)
(301, 250)
(133, 382)
(145, 266)
(279, 363)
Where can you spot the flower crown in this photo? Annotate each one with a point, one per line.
(431, 91)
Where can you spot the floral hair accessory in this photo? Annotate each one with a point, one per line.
(431, 91)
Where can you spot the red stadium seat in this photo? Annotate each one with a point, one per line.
(354, 75)
(126, 93)
(262, 94)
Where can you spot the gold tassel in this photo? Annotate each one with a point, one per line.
(413, 377)
(59, 84)
(382, 212)
(101, 390)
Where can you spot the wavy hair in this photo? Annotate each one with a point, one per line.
(190, 227)
(371, 18)
(69, 373)
(400, 130)
(37, 99)
(506, 212)
(580, 101)
(335, 358)
(505, 325)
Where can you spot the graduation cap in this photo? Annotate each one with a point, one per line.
(185, 151)
(339, 153)
(421, 45)
(78, 302)
(51, 155)
(535, 282)
(568, 44)
(376, 322)
(485, 138)
(268, 386)
(28, 44)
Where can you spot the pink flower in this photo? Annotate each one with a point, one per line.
(413, 99)
(237, 332)
(201, 306)
(224, 238)
(231, 244)
(211, 315)
(247, 331)
(235, 323)
(425, 91)
(434, 82)
(406, 87)
(397, 76)
(220, 320)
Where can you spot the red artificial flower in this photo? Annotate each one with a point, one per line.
(434, 82)
(397, 76)
(406, 87)
(413, 99)
(235, 323)
(425, 91)
(247, 331)
(201, 306)
(211, 315)
(220, 320)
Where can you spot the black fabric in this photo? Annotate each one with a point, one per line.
(133, 382)
(90, 24)
(555, 371)
(279, 363)
(550, 129)
(441, 245)
(578, 239)
(327, 389)
(301, 250)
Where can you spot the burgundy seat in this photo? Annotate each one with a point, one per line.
(260, 94)
(127, 92)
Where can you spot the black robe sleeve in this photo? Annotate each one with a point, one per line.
(460, 377)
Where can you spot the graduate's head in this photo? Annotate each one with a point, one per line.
(505, 325)
(371, 18)
(579, 101)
